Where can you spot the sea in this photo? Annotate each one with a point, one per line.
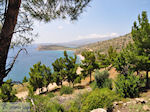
(25, 60)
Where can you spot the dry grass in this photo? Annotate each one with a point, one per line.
(21, 87)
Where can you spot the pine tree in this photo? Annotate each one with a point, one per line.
(40, 76)
(89, 64)
(103, 60)
(121, 63)
(141, 37)
(71, 69)
(59, 74)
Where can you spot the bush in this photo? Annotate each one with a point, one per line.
(66, 90)
(99, 98)
(128, 86)
(76, 104)
(50, 95)
(7, 94)
(102, 79)
(43, 104)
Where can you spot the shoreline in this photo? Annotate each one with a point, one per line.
(81, 57)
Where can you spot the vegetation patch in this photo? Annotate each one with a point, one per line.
(66, 90)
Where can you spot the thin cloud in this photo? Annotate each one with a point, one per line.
(94, 35)
(60, 27)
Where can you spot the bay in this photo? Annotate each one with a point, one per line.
(25, 61)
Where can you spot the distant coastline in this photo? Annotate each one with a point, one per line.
(53, 47)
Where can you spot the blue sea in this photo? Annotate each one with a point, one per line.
(25, 61)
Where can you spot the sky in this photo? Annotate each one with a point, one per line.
(102, 18)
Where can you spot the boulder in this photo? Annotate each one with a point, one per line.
(99, 110)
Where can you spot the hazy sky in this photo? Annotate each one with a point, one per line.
(104, 18)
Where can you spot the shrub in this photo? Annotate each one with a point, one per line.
(7, 94)
(50, 95)
(43, 104)
(76, 104)
(66, 90)
(128, 86)
(102, 79)
(99, 98)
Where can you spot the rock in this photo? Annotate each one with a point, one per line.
(125, 104)
(128, 103)
(115, 104)
(99, 110)
(120, 102)
(140, 100)
(146, 108)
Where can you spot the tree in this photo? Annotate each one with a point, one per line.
(40, 76)
(25, 79)
(121, 63)
(89, 64)
(71, 69)
(7, 94)
(59, 74)
(15, 17)
(103, 60)
(141, 37)
(112, 53)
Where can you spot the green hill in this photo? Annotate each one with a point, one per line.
(118, 43)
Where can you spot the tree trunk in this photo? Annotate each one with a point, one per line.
(7, 33)
(147, 80)
(90, 77)
(137, 72)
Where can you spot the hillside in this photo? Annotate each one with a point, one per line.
(52, 47)
(118, 43)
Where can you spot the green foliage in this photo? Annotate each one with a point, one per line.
(102, 79)
(141, 37)
(65, 69)
(76, 104)
(59, 71)
(50, 95)
(40, 76)
(121, 62)
(103, 60)
(71, 69)
(112, 53)
(99, 98)
(89, 63)
(128, 86)
(66, 90)
(7, 94)
(25, 79)
(50, 10)
(43, 104)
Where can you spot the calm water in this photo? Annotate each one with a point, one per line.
(25, 61)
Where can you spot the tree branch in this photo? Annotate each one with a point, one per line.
(14, 60)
